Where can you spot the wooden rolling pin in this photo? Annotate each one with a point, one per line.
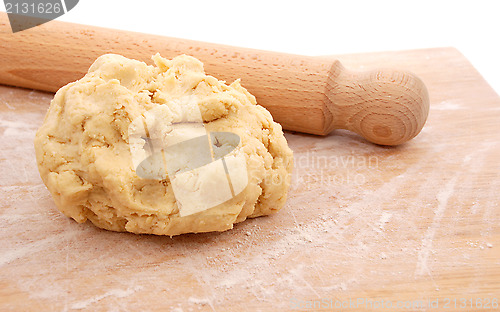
(306, 94)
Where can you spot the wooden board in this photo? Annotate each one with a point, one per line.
(363, 223)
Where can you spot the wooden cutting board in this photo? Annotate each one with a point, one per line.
(363, 223)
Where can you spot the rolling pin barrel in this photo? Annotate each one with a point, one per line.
(307, 94)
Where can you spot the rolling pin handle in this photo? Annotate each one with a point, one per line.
(386, 107)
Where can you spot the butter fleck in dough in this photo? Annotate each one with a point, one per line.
(85, 161)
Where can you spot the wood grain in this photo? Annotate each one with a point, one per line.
(307, 94)
(415, 222)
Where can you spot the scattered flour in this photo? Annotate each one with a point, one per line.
(446, 105)
(118, 293)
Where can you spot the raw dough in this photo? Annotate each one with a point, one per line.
(85, 159)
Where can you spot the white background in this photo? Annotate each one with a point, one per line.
(314, 27)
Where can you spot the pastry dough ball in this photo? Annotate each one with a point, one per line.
(99, 130)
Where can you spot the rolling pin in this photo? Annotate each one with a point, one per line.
(306, 94)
